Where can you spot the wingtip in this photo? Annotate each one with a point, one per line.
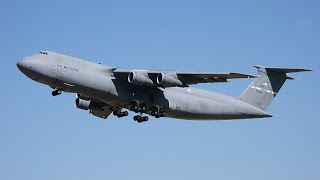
(308, 70)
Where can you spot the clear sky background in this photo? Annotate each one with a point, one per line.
(45, 137)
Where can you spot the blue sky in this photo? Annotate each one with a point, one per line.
(45, 137)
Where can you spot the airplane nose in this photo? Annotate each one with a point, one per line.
(24, 65)
(20, 64)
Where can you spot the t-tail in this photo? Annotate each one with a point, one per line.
(264, 89)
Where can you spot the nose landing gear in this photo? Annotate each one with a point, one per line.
(56, 92)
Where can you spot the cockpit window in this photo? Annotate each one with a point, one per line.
(42, 52)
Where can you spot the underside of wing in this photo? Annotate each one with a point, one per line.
(174, 78)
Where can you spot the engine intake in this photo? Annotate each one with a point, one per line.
(140, 78)
(86, 104)
(168, 80)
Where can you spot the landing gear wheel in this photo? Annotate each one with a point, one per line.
(138, 108)
(163, 114)
(135, 108)
(158, 113)
(125, 113)
(143, 108)
(154, 113)
(120, 113)
(140, 119)
(146, 118)
(136, 118)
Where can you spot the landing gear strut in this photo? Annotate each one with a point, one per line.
(56, 92)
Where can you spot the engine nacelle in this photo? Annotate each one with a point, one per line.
(86, 104)
(168, 80)
(140, 78)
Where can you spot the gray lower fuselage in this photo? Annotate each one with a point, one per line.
(98, 82)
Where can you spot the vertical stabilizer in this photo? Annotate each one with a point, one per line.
(262, 90)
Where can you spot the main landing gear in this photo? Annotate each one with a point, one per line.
(140, 119)
(139, 108)
(158, 113)
(56, 92)
(120, 113)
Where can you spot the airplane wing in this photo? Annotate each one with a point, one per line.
(207, 77)
(175, 78)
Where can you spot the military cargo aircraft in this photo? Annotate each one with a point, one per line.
(103, 90)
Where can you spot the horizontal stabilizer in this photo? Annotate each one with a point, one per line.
(280, 71)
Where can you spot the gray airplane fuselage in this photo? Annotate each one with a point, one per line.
(99, 82)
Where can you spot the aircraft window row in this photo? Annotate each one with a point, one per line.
(45, 53)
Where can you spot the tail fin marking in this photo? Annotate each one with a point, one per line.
(262, 91)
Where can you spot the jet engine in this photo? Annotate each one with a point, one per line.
(140, 78)
(86, 104)
(168, 80)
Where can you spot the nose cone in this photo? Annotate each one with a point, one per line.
(28, 66)
(24, 65)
